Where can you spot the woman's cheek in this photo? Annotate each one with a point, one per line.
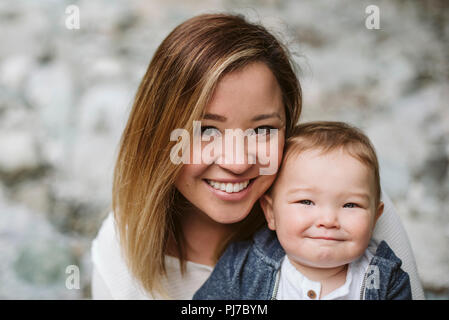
(269, 152)
(280, 149)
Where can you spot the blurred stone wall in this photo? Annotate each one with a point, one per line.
(65, 96)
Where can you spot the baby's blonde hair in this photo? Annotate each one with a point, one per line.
(329, 136)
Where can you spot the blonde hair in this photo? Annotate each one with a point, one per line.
(328, 136)
(174, 92)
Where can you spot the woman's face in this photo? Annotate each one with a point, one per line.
(225, 188)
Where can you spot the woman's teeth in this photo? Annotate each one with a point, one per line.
(228, 187)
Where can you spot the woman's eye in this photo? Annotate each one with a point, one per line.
(209, 131)
(351, 205)
(263, 130)
(306, 202)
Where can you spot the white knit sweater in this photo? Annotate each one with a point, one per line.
(111, 278)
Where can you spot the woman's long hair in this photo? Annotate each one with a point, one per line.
(174, 92)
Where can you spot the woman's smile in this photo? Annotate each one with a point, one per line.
(228, 186)
(229, 191)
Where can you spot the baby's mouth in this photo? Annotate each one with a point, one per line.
(326, 238)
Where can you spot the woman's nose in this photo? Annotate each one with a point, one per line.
(236, 156)
(236, 168)
(237, 164)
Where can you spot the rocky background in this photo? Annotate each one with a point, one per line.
(65, 96)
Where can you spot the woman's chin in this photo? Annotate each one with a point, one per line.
(229, 219)
(228, 216)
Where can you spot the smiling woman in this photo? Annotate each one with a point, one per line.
(229, 74)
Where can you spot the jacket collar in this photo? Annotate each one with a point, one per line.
(268, 247)
(384, 255)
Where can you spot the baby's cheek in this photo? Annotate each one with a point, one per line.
(360, 230)
(293, 244)
(294, 229)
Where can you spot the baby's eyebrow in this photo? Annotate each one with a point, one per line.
(364, 195)
(299, 189)
(360, 194)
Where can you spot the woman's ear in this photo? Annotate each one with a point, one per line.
(266, 203)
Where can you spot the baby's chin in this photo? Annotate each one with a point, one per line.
(324, 262)
(327, 264)
(330, 257)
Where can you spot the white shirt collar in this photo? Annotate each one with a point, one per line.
(294, 285)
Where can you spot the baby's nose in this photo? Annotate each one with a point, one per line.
(328, 219)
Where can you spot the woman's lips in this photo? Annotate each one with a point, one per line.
(228, 196)
(228, 186)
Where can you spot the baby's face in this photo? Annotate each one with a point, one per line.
(323, 208)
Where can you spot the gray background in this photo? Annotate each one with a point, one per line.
(65, 96)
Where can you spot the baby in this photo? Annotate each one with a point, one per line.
(323, 207)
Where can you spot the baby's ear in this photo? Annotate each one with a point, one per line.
(266, 203)
(379, 211)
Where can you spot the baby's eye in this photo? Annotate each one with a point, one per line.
(351, 205)
(306, 202)
(209, 131)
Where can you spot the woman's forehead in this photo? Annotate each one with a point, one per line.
(246, 94)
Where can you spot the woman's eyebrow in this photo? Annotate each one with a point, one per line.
(217, 117)
(213, 116)
(267, 116)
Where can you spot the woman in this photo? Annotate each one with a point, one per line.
(171, 222)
